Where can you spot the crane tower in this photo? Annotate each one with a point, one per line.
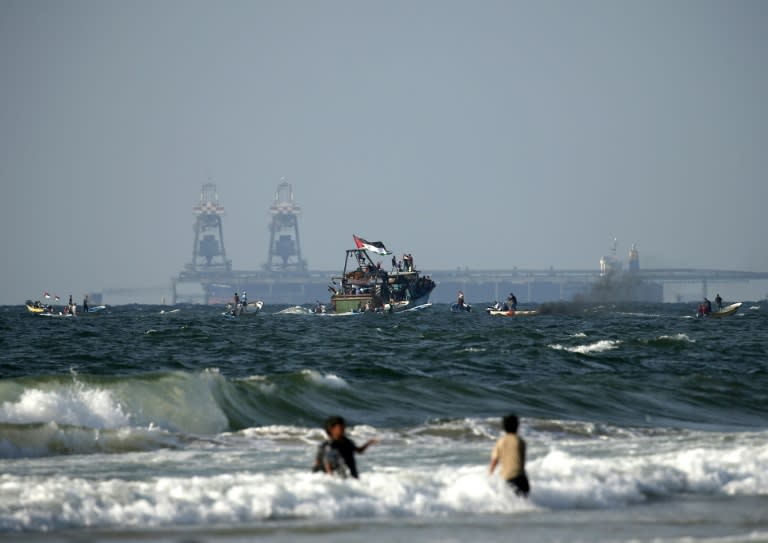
(208, 252)
(284, 246)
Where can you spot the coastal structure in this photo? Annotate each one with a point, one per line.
(285, 278)
(208, 252)
(284, 242)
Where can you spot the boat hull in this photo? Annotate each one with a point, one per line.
(726, 311)
(504, 313)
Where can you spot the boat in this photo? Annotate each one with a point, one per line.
(35, 307)
(510, 313)
(724, 312)
(366, 287)
(463, 308)
(244, 310)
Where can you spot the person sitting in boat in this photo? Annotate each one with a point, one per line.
(719, 301)
(511, 302)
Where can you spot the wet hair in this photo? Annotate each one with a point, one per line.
(330, 422)
(510, 423)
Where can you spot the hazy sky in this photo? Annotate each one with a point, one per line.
(487, 134)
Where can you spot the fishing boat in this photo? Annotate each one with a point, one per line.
(726, 311)
(364, 286)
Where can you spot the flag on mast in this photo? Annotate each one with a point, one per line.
(372, 246)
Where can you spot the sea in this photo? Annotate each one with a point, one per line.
(179, 425)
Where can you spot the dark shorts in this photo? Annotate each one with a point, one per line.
(520, 484)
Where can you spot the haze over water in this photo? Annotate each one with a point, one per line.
(490, 136)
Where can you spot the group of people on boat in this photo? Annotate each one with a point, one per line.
(239, 304)
(509, 305)
(406, 264)
(705, 307)
(69, 309)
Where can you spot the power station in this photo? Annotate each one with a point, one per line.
(285, 277)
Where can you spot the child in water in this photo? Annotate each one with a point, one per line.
(510, 452)
(337, 454)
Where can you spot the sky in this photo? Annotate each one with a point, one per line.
(487, 134)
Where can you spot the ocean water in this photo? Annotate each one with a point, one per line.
(642, 423)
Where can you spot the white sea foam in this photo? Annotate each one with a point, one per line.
(178, 402)
(73, 404)
(578, 334)
(677, 337)
(565, 476)
(329, 379)
(597, 347)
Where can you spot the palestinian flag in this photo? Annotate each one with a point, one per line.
(372, 246)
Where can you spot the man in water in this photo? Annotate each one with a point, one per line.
(719, 301)
(510, 453)
(337, 454)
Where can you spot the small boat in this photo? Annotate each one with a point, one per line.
(35, 307)
(463, 308)
(726, 311)
(244, 310)
(510, 313)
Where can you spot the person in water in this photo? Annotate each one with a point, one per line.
(719, 301)
(510, 453)
(336, 455)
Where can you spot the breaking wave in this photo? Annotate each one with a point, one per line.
(597, 347)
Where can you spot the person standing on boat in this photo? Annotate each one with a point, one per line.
(719, 301)
(394, 263)
(460, 300)
(511, 302)
(244, 301)
(707, 306)
(85, 304)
